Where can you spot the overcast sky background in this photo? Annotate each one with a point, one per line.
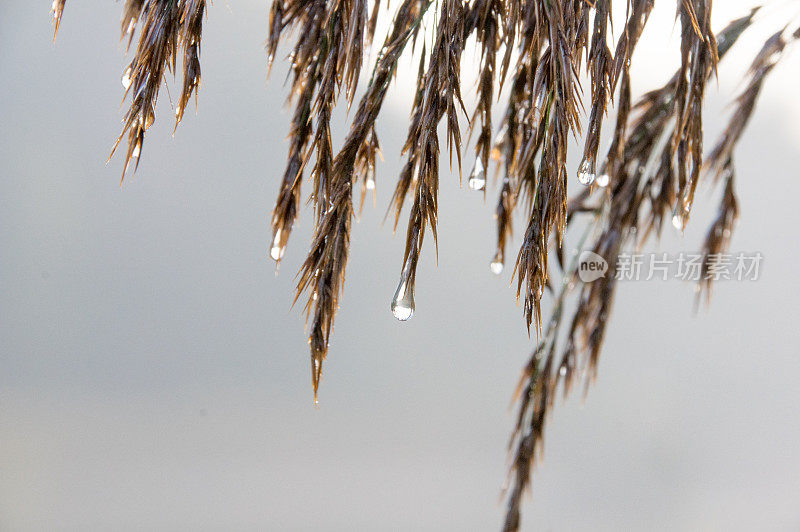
(153, 374)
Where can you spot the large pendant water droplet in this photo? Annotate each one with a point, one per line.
(477, 178)
(403, 301)
(586, 172)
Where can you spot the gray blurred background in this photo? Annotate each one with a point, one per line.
(153, 374)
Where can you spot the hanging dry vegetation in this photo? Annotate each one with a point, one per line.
(537, 49)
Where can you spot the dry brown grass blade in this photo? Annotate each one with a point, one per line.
(764, 62)
(719, 234)
(130, 18)
(155, 55)
(642, 134)
(191, 29)
(322, 273)
(720, 161)
(556, 98)
(165, 27)
(438, 96)
(483, 18)
(638, 12)
(57, 11)
(698, 61)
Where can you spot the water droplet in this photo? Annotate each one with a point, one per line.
(496, 267)
(136, 150)
(277, 250)
(603, 180)
(370, 184)
(677, 221)
(586, 172)
(477, 178)
(126, 78)
(497, 264)
(562, 371)
(403, 302)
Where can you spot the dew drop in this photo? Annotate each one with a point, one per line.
(603, 180)
(497, 264)
(477, 178)
(136, 151)
(403, 302)
(277, 250)
(126, 79)
(562, 371)
(677, 221)
(496, 267)
(370, 184)
(586, 171)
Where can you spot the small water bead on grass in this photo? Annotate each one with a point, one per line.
(370, 184)
(586, 172)
(126, 78)
(496, 266)
(603, 180)
(477, 178)
(679, 217)
(277, 250)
